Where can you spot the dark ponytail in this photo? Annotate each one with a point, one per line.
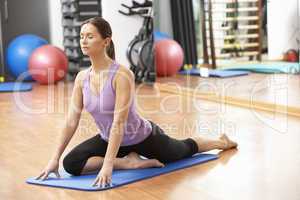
(111, 50)
(104, 30)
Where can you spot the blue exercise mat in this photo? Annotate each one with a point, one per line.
(268, 68)
(15, 87)
(119, 177)
(214, 73)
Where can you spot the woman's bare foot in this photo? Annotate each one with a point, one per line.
(228, 144)
(134, 161)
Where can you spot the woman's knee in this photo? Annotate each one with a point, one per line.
(72, 165)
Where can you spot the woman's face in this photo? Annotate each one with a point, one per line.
(91, 41)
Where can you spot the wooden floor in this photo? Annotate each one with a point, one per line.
(280, 89)
(266, 165)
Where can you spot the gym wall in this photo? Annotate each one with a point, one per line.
(162, 17)
(283, 26)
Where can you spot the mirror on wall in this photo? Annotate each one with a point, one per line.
(255, 49)
(246, 30)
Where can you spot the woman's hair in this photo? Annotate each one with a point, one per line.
(104, 30)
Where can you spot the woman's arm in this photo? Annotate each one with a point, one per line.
(124, 88)
(73, 117)
(68, 130)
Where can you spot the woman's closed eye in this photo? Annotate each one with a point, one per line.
(88, 36)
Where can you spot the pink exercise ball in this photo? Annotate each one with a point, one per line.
(48, 64)
(168, 57)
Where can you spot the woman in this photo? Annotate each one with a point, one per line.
(106, 91)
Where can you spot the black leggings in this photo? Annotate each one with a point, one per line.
(157, 145)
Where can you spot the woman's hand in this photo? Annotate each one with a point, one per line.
(104, 177)
(51, 167)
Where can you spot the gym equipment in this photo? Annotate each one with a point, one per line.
(140, 50)
(120, 177)
(291, 56)
(19, 51)
(74, 12)
(15, 87)
(213, 73)
(168, 57)
(268, 68)
(17, 18)
(48, 64)
(238, 34)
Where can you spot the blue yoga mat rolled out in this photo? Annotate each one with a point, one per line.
(119, 177)
(267, 68)
(214, 73)
(15, 87)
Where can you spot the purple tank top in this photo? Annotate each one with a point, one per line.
(101, 107)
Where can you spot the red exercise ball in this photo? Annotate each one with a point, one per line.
(168, 57)
(48, 64)
(291, 56)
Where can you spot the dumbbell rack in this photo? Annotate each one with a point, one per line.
(74, 12)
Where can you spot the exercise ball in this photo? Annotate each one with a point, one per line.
(48, 64)
(18, 52)
(168, 57)
(291, 56)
